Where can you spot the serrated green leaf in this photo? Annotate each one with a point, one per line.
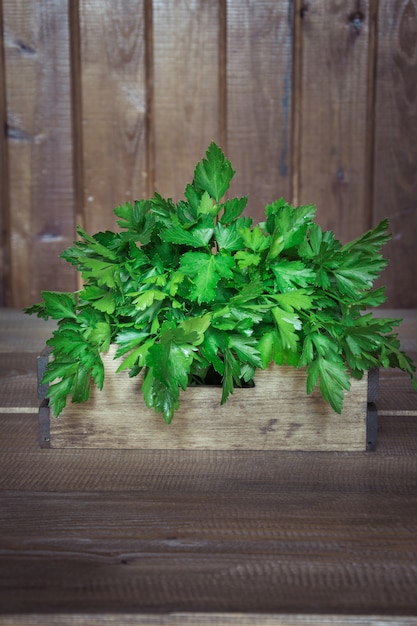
(94, 246)
(147, 298)
(312, 376)
(58, 393)
(246, 349)
(233, 208)
(137, 357)
(247, 259)
(298, 299)
(371, 299)
(236, 319)
(324, 344)
(81, 387)
(59, 369)
(176, 279)
(170, 362)
(97, 373)
(194, 198)
(195, 237)
(307, 353)
(266, 348)
(196, 326)
(292, 274)
(102, 272)
(333, 381)
(100, 335)
(355, 273)
(159, 397)
(39, 309)
(228, 237)
(59, 305)
(254, 238)
(214, 345)
(104, 302)
(370, 242)
(214, 173)
(310, 247)
(247, 293)
(287, 225)
(287, 325)
(129, 339)
(207, 206)
(205, 271)
(231, 375)
(138, 219)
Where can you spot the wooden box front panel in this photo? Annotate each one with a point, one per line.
(276, 414)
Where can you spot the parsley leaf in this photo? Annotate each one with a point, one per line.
(214, 173)
(205, 270)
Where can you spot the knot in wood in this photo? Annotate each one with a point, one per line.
(356, 20)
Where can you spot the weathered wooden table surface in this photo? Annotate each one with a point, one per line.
(234, 538)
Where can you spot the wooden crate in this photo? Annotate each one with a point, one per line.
(276, 414)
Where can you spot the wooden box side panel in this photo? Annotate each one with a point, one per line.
(275, 414)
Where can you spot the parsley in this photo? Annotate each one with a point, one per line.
(184, 289)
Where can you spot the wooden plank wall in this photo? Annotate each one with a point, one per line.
(103, 101)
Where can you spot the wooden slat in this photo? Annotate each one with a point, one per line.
(23, 333)
(39, 142)
(392, 470)
(113, 88)
(4, 282)
(204, 619)
(276, 414)
(18, 381)
(187, 104)
(259, 100)
(395, 182)
(332, 153)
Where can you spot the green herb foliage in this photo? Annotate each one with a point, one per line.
(190, 287)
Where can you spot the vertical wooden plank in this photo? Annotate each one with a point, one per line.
(187, 106)
(39, 138)
(332, 151)
(259, 99)
(113, 87)
(395, 182)
(4, 286)
(78, 164)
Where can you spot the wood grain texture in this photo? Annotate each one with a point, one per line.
(4, 177)
(23, 333)
(187, 105)
(391, 470)
(276, 414)
(248, 551)
(113, 88)
(395, 184)
(203, 537)
(107, 101)
(17, 388)
(259, 100)
(204, 619)
(332, 152)
(39, 143)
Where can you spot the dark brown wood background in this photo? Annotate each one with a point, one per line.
(104, 101)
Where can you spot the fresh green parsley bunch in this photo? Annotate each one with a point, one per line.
(190, 287)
